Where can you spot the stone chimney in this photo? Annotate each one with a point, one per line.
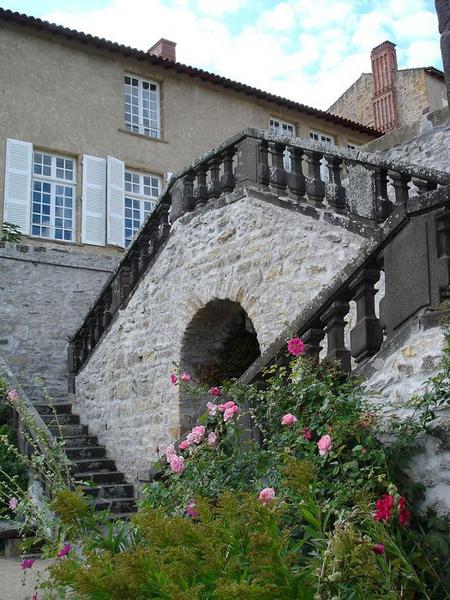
(384, 100)
(164, 48)
(443, 13)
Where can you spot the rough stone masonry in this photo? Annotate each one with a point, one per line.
(269, 259)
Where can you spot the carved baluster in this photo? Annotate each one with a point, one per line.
(133, 257)
(334, 321)
(145, 241)
(296, 179)
(277, 172)
(92, 325)
(400, 183)
(84, 333)
(227, 180)
(443, 253)
(188, 192)
(263, 163)
(78, 351)
(107, 307)
(384, 205)
(335, 191)
(312, 338)
(214, 169)
(424, 186)
(202, 189)
(162, 211)
(124, 282)
(366, 337)
(99, 311)
(315, 187)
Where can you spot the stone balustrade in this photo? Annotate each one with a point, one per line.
(364, 187)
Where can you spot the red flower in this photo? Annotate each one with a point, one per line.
(378, 548)
(384, 507)
(296, 346)
(307, 434)
(401, 503)
(403, 517)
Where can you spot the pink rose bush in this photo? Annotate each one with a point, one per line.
(170, 451)
(191, 509)
(212, 439)
(185, 377)
(324, 444)
(215, 391)
(288, 419)
(267, 495)
(197, 435)
(296, 346)
(176, 464)
(12, 504)
(12, 395)
(230, 409)
(64, 551)
(173, 378)
(27, 563)
(184, 445)
(307, 434)
(212, 409)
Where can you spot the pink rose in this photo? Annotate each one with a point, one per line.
(267, 495)
(12, 395)
(177, 464)
(27, 563)
(185, 377)
(197, 434)
(307, 434)
(212, 439)
(288, 419)
(212, 409)
(231, 412)
(34, 596)
(215, 391)
(191, 509)
(324, 444)
(229, 404)
(184, 445)
(173, 378)
(378, 548)
(13, 502)
(64, 550)
(296, 346)
(170, 451)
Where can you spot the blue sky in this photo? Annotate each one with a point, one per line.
(307, 50)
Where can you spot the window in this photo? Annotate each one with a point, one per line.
(325, 139)
(142, 106)
(53, 197)
(141, 192)
(282, 127)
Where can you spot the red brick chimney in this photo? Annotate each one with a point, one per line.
(164, 48)
(384, 100)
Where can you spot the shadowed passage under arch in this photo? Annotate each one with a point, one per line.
(219, 343)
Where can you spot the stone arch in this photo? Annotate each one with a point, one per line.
(219, 343)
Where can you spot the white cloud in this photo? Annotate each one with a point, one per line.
(307, 50)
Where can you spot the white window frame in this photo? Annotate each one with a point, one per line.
(140, 127)
(53, 180)
(281, 127)
(141, 197)
(323, 138)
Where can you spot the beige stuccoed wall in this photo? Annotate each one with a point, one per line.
(269, 259)
(67, 97)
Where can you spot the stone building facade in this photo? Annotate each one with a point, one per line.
(389, 97)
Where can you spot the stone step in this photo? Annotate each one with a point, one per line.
(118, 490)
(122, 505)
(100, 477)
(79, 452)
(72, 441)
(61, 408)
(101, 504)
(68, 430)
(62, 419)
(97, 465)
(91, 491)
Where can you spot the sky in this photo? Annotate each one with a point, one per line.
(310, 51)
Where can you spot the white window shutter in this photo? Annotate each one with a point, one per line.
(19, 164)
(94, 201)
(115, 202)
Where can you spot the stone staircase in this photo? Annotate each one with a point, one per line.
(97, 474)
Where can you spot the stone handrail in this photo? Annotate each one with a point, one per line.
(40, 425)
(326, 313)
(363, 187)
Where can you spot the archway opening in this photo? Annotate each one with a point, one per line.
(219, 343)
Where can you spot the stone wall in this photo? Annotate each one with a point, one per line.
(269, 259)
(356, 102)
(395, 375)
(45, 291)
(426, 142)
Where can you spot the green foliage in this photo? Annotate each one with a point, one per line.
(9, 232)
